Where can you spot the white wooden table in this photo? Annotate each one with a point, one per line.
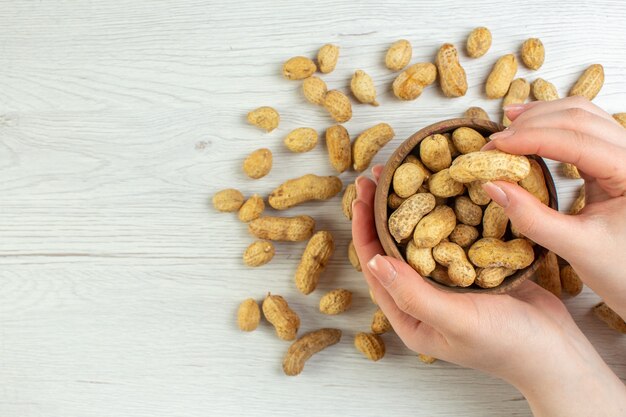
(118, 121)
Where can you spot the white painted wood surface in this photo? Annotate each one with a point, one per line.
(118, 121)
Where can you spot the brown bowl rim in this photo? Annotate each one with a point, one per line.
(384, 185)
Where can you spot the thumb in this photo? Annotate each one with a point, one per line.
(555, 231)
(415, 297)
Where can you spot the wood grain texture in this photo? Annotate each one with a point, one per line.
(118, 120)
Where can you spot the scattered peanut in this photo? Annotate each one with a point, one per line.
(258, 253)
(291, 229)
(338, 106)
(306, 188)
(265, 118)
(478, 42)
(298, 68)
(544, 90)
(363, 88)
(285, 321)
(380, 323)
(452, 78)
(248, 315)
(314, 90)
(327, 58)
(533, 53)
(353, 257)
(570, 171)
(517, 94)
(336, 301)
(306, 346)
(339, 149)
(258, 164)
(476, 113)
(251, 209)
(398, 55)
(349, 195)
(589, 83)
(501, 76)
(302, 139)
(610, 317)
(579, 202)
(228, 200)
(370, 345)
(314, 259)
(410, 83)
(570, 281)
(368, 143)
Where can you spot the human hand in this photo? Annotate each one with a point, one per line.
(573, 130)
(526, 337)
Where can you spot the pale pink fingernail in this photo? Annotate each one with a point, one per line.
(496, 193)
(514, 107)
(488, 146)
(383, 270)
(506, 133)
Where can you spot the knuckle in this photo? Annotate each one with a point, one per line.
(406, 301)
(577, 114)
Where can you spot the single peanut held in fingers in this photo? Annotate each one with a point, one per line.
(362, 87)
(452, 78)
(298, 68)
(349, 195)
(327, 58)
(491, 252)
(610, 317)
(494, 221)
(501, 76)
(306, 346)
(248, 315)
(442, 185)
(338, 106)
(306, 188)
(460, 270)
(403, 220)
(228, 200)
(570, 281)
(302, 139)
(339, 148)
(368, 143)
(476, 113)
(544, 90)
(548, 275)
(285, 321)
(464, 235)
(489, 166)
(265, 118)
(258, 164)
(435, 153)
(314, 90)
(434, 227)
(251, 209)
(492, 277)
(589, 83)
(407, 179)
(258, 253)
(314, 260)
(410, 83)
(290, 229)
(380, 323)
(420, 259)
(398, 55)
(517, 94)
(533, 53)
(336, 301)
(478, 42)
(579, 202)
(370, 345)
(353, 257)
(570, 171)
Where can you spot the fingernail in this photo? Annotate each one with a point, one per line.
(496, 193)
(382, 270)
(488, 146)
(503, 134)
(359, 179)
(514, 107)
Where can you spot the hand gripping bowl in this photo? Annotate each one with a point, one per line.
(411, 145)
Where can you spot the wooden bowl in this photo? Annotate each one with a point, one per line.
(382, 212)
